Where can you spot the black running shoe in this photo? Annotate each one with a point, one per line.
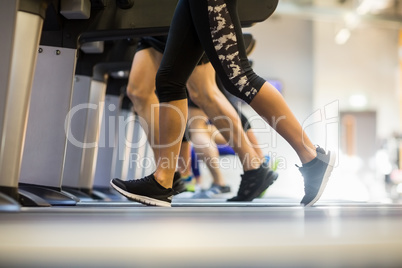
(146, 191)
(178, 184)
(254, 182)
(316, 175)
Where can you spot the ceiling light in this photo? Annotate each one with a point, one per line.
(373, 6)
(358, 101)
(351, 20)
(365, 6)
(120, 74)
(343, 36)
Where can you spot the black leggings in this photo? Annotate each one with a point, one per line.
(213, 26)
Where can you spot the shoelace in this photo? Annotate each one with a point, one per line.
(145, 179)
(319, 151)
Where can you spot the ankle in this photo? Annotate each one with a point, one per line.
(219, 183)
(254, 164)
(165, 181)
(308, 155)
(186, 174)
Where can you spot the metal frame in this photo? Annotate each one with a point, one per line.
(24, 31)
(45, 134)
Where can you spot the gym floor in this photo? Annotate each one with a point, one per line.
(268, 232)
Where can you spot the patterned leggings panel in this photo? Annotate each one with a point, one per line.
(212, 26)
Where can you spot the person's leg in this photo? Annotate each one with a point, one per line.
(183, 51)
(222, 38)
(195, 168)
(184, 163)
(270, 104)
(220, 140)
(141, 91)
(250, 133)
(204, 92)
(224, 46)
(218, 31)
(201, 133)
(254, 143)
(204, 145)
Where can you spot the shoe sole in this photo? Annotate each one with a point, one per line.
(141, 199)
(330, 167)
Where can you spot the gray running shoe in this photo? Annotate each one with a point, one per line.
(316, 175)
